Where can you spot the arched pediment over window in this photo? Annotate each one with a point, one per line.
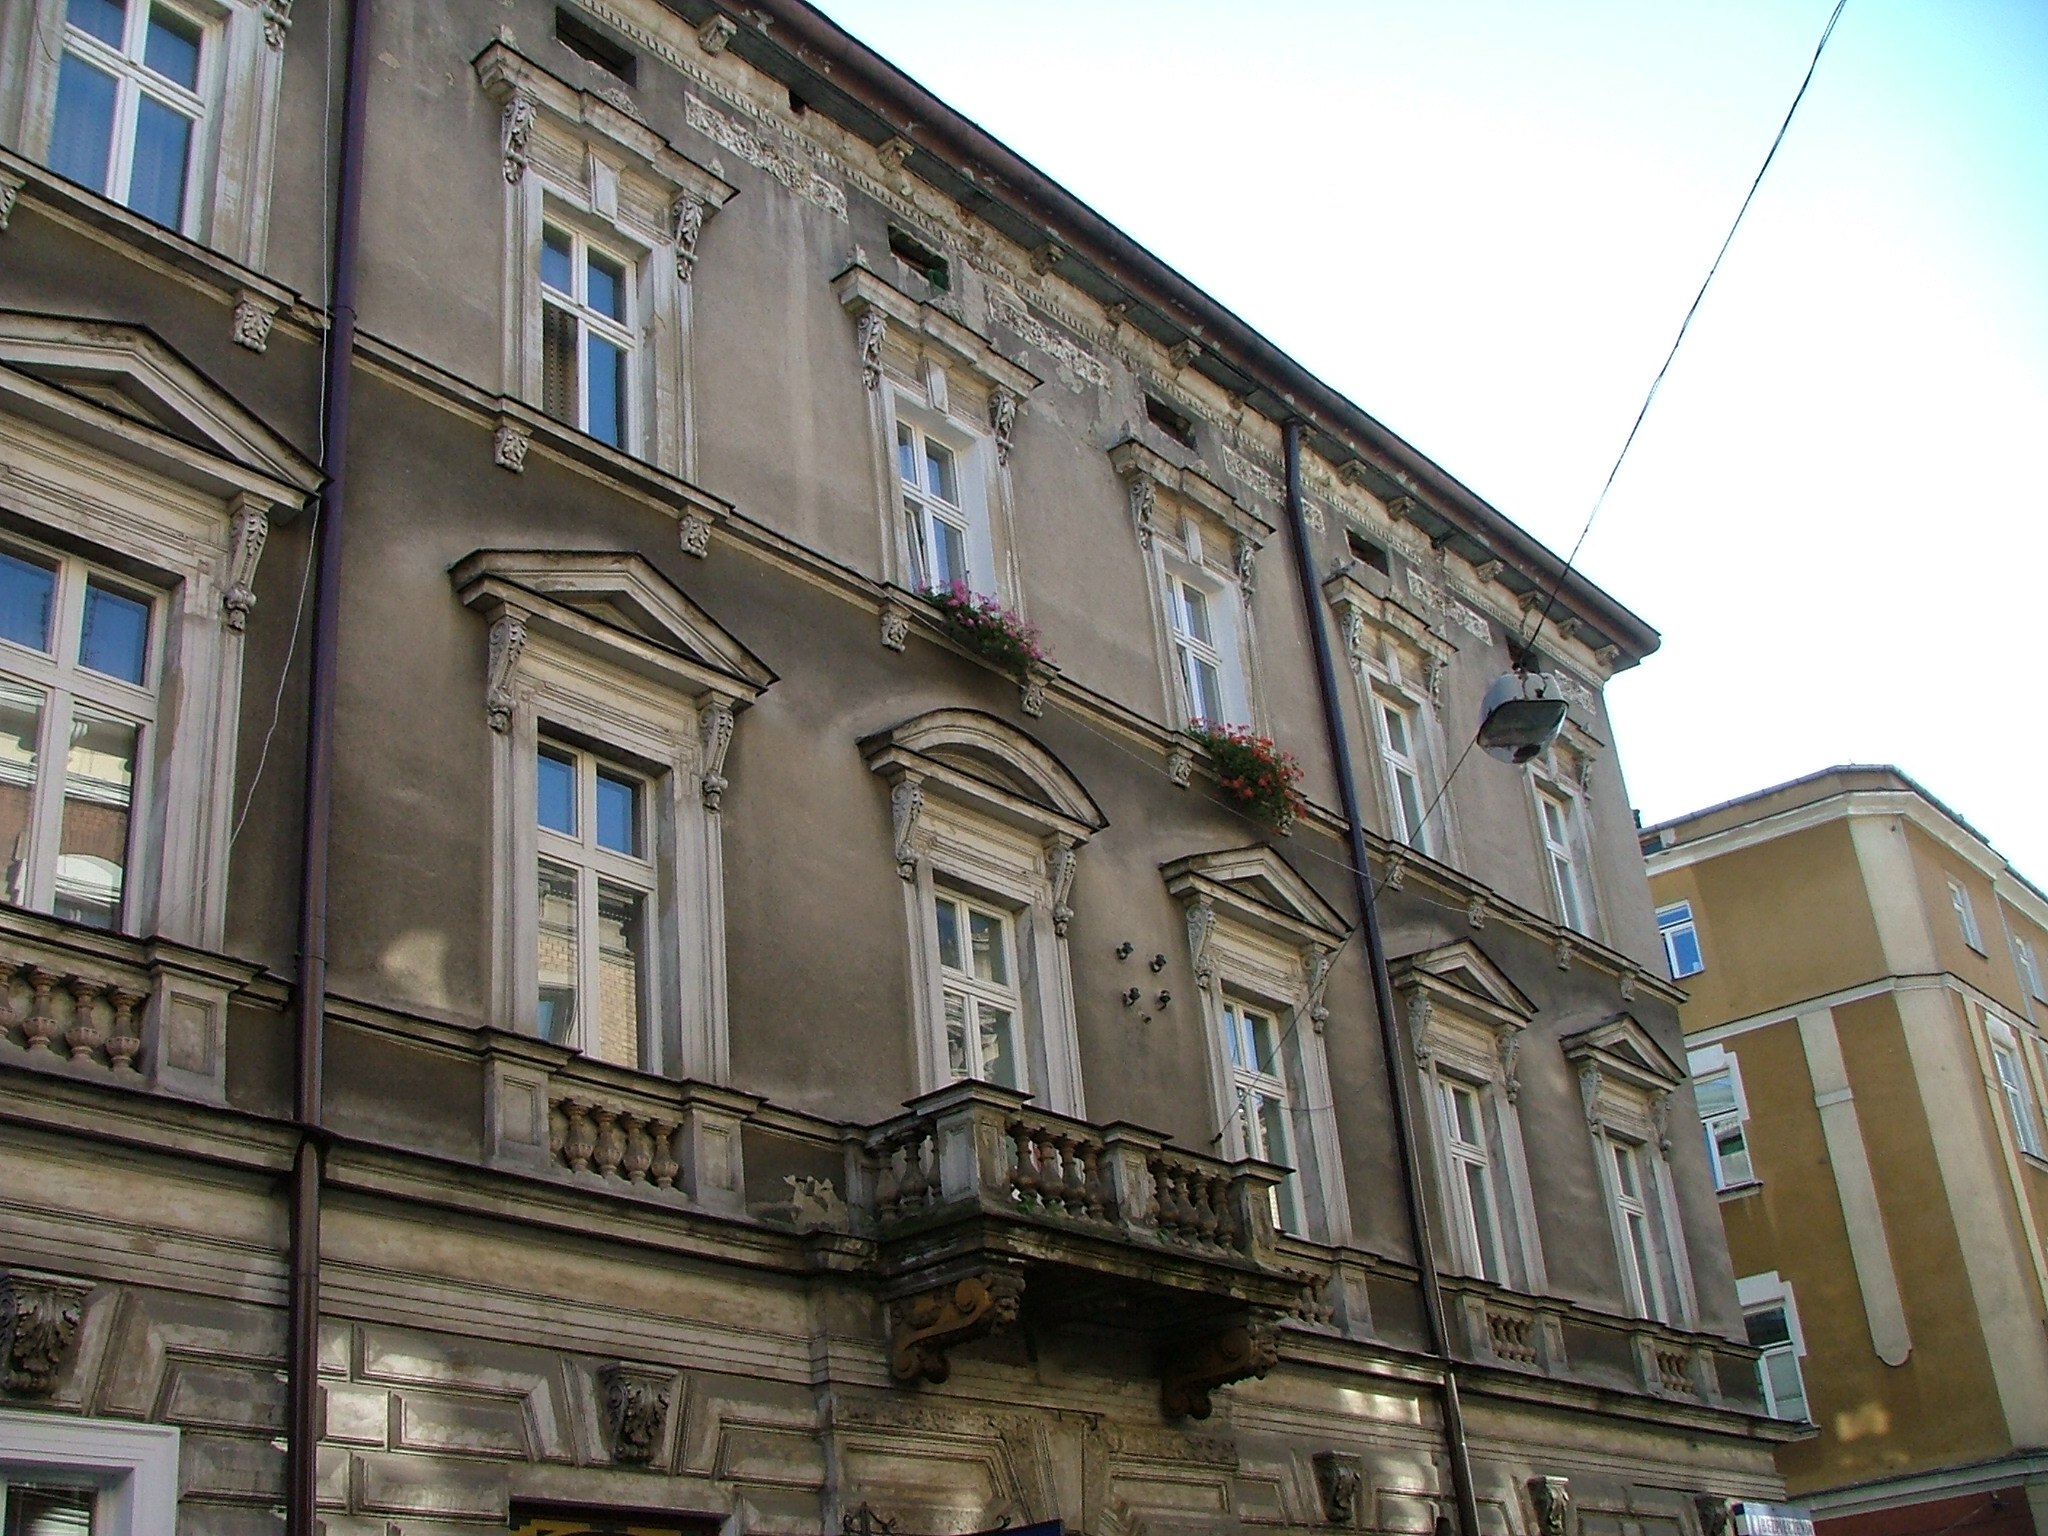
(990, 764)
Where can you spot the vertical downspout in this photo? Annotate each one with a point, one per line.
(303, 1444)
(1383, 996)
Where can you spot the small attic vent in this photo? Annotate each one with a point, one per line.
(1365, 552)
(914, 253)
(1169, 421)
(586, 42)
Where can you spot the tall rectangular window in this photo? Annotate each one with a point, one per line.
(1727, 1138)
(586, 335)
(1259, 1086)
(978, 980)
(1777, 1368)
(1966, 916)
(1639, 1260)
(1401, 753)
(934, 509)
(1472, 1192)
(2030, 969)
(1196, 650)
(2019, 1098)
(1681, 937)
(1560, 849)
(77, 701)
(597, 888)
(129, 103)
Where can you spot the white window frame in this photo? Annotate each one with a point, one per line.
(1757, 1293)
(1712, 1061)
(228, 177)
(1469, 1160)
(974, 835)
(134, 1466)
(574, 161)
(664, 711)
(1573, 885)
(592, 323)
(2029, 964)
(972, 454)
(1221, 602)
(1412, 765)
(1966, 916)
(2012, 1082)
(1249, 951)
(977, 994)
(1669, 925)
(1254, 1079)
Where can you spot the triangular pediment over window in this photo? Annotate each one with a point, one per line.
(1462, 976)
(1625, 1052)
(978, 759)
(121, 392)
(1260, 889)
(618, 607)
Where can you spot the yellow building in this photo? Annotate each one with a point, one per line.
(1866, 1030)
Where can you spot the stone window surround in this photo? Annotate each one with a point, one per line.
(1466, 1021)
(1278, 959)
(914, 353)
(134, 1465)
(236, 146)
(667, 709)
(571, 157)
(1564, 772)
(1162, 495)
(963, 828)
(1627, 1082)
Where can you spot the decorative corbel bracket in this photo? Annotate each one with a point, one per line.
(1002, 420)
(714, 724)
(1510, 1046)
(1421, 1010)
(509, 445)
(694, 534)
(1316, 963)
(1195, 1368)
(508, 644)
(929, 1325)
(250, 325)
(10, 189)
(516, 135)
(1551, 1498)
(1061, 860)
(636, 1403)
(39, 1316)
(687, 218)
(906, 807)
(1340, 1479)
(277, 20)
(251, 531)
(1201, 929)
(713, 36)
(895, 626)
(872, 326)
(1144, 509)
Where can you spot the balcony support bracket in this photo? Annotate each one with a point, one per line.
(1193, 1368)
(931, 1323)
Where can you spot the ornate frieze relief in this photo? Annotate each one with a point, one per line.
(927, 1326)
(788, 161)
(636, 1404)
(1437, 600)
(39, 1316)
(1076, 365)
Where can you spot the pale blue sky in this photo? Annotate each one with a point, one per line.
(1483, 220)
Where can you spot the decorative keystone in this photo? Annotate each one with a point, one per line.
(1552, 1499)
(39, 1316)
(636, 1412)
(1340, 1478)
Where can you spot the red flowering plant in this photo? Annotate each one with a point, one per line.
(1253, 771)
(990, 630)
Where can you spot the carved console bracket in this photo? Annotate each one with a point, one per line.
(39, 1316)
(1551, 1497)
(1195, 1368)
(1340, 1478)
(252, 529)
(250, 325)
(1716, 1513)
(636, 1402)
(10, 189)
(927, 1325)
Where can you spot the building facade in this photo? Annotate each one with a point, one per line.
(794, 1050)
(1865, 1031)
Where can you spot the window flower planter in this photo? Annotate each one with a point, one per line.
(1253, 772)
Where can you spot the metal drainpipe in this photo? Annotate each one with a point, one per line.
(1391, 1044)
(302, 1516)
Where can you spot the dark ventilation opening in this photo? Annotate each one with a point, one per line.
(1525, 658)
(1169, 421)
(586, 42)
(1365, 552)
(797, 104)
(908, 248)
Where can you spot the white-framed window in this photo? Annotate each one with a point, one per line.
(1261, 1100)
(987, 875)
(1402, 756)
(1771, 1317)
(983, 1005)
(2030, 969)
(78, 664)
(1724, 1113)
(942, 475)
(67, 1476)
(1473, 1200)
(1681, 937)
(2011, 1069)
(1966, 916)
(588, 335)
(129, 104)
(608, 749)
(1641, 1261)
(1564, 856)
(599, 902)
(1199, 661)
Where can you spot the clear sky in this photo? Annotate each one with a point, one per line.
(1483, 220)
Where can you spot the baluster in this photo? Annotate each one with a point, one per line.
(124, 1042)
(639, 1149)
(1024, 1176)
(1091, 1179)
(40, 1027)
(558, 1128)
(887, 1185)
(1155, 1207)
(1076, 1191)
(1227, 1231)
(611, 1141)
(581, 1140)
(1174, 1201)
(8, 1019)
(84, 1035)
(664, 1166)
(916, 1187)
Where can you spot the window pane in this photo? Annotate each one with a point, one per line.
(557, 261)
(952, 554)
(558, 363)
(21, 724)
(83, 131)
(991, 948)
(921, 574)
(1465, 1105)
(92, 853)
(26, 590)
(1265, 1045)
(36, 1510)
(949, 935)
(172, 47)
(106, 20)
(1411, 805)
(940, 479)
(1397, 730)
(115, 636)
(1639, 1245)
(1787, 1391)
(621, 920)
(1480, 1194)
(607, 393)
(998, 1045)
(618, 813)
(1686, 959)
(1767, 1327)
(1567, 890)
(1195, 614)
(1731, 1151)
(906, 455)
(1715, 1094)
(557, 956)
(1553, 823)
(1625, 1169)
(1274, 1146)
(957, 1061)
(606, 287)
(555, 786)
(1205, 689)
(156, 179)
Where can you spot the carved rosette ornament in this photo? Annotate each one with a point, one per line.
(906, 806)
(250, 324)
(636, 1412)
(873, 324)
(39, 1316)
(928, 1325)
(1552, 1499)
(508, 643)
(688, 217)
(1002, 420)
(516, 136)
(694, 533)
(715, 729)
(508, 448)
(1198, 1369)
(251, 531)
(1340, 1479)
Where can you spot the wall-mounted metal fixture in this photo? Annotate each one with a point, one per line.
(1131, 998)
(1165, 998)
(1158, 964)
(1125, 950)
